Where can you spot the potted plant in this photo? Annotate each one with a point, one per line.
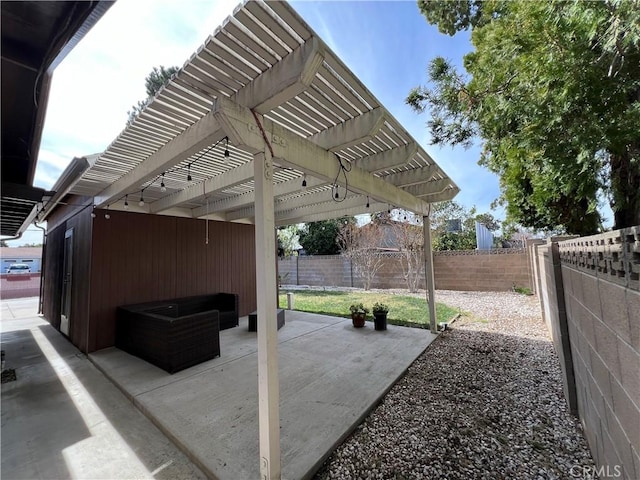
(380, 311)
(358, 314)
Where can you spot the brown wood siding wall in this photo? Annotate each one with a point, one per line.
(140, 258)
(52, 276)
(81, 270)
(80, 221)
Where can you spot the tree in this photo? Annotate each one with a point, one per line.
(287, 240)
(360, 245)
(157, 78)
(319, 238)
(553, 92)
(410, 240)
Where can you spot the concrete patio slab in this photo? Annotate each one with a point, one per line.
(331, 376)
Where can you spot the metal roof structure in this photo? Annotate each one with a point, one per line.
(36, 36)
(264, 81)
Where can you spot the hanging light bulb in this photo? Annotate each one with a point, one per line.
(106, 215)
(163, 188)
(93, 212)
(126, 202)
(367, 202)
(141, 202)
(389, 210)
(189, 173)
(304, 181)
(226, 148)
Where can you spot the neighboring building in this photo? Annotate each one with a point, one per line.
(31, 256)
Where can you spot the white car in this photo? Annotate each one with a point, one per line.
(18, 268)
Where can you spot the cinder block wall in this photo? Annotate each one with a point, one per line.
(497, 270)
(597, 288)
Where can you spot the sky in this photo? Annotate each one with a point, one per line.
(387, 44)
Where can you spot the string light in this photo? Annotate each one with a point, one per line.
(106, 215)
(126, 202)
(93, 212)
(163, 187)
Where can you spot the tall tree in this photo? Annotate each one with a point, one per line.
(320, 238)
(360, 245)
(157, 78)
(553, 91)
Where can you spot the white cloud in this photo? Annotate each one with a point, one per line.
(102, 78)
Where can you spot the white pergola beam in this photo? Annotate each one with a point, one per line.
(297, 152)
(394, 158)
(285, 80)
(336, 213)
(418, 176)
(312, 203)
(192, 140)
(428, 188)
(447, 194)
(211, 185)
(243, 200)
(352, 132)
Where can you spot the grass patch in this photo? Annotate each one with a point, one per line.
(403, 310)
(522, 290)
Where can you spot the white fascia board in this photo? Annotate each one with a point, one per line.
(297, 152)
(351, 132)
(201, 134)
(394, 158)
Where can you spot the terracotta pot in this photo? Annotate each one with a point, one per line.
(358, 319)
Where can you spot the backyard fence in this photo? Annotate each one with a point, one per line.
(472, 270)
(589, 291)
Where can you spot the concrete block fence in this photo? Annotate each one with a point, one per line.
(495, 270)
(589, 290)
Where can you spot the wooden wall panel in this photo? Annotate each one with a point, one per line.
(81, 224)
(52, 276)
(140, 258)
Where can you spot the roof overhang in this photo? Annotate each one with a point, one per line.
(36, 36)
(264, 81)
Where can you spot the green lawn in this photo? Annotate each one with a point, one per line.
(403, 310)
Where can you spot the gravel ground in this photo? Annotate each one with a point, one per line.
(484, 401)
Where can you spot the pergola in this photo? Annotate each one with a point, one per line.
(264, 125)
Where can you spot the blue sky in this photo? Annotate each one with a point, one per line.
(386, 43)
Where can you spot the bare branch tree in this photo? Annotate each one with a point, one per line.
(410, 240)
(360, 244)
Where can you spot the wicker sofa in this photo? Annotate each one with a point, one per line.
(176, 334)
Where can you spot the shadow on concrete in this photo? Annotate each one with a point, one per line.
(39, 419)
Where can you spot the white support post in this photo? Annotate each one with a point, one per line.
(428, 273)
(268, 384)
